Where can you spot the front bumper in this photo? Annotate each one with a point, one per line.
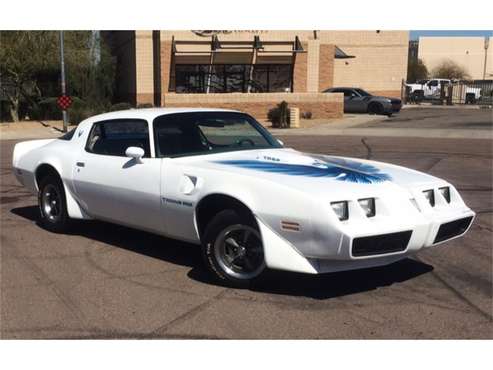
(358, 250)
(396, 107)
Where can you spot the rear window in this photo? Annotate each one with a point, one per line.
(69, 135)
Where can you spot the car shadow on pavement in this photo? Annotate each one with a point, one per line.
(331, 285)
(133, 240)
(323, 286)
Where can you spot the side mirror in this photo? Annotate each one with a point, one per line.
(135, 153)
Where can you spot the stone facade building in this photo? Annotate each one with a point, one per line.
(255, 70)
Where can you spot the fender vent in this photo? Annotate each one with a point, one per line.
(453, 228)
(381, 244)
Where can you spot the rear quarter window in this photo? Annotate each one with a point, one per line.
(69, 135)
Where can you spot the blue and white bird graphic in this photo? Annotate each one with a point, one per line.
(336, 168)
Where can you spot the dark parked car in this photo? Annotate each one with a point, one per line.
(357, 100)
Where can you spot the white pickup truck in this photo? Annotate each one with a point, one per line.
(430, 89)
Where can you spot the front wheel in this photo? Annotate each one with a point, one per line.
(233, 250)
(375, 108)
(52, 204)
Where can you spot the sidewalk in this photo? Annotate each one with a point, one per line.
(355, 125)
(349, 125)
(436, 106)
(30, 130)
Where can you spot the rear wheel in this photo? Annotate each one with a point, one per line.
(470, 98)
(52, 204)
(233, 250)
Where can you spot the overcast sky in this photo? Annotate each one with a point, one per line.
(415, 34)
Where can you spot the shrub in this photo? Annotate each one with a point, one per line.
(145, 105)
(450, 70)
(306, 115)
(279, 116)
(45, 109)
(120, 106)
(81, 109)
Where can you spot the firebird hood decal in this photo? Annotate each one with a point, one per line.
(336, 168)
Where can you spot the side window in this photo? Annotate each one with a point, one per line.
(433, 83)
(348, 93)
(115, 136)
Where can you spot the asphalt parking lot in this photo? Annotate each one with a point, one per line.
(437, 118)
(108, 281)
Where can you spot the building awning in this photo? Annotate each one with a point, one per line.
(214, 45)
(339, 54)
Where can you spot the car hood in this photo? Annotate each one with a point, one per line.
(316, 173)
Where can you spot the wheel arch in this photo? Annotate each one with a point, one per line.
(43, 170)
(73, 208)
(213, 203)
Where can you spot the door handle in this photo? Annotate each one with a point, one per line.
(80, 164)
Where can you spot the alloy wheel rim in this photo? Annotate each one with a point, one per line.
(51, 203)
(238, 250)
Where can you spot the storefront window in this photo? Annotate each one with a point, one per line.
(190, 79)
(260, 79)
(220, 78)
(279, 78)
(237, 76)
(214, 79)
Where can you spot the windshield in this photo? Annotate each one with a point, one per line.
(196, 133)
(363, 92)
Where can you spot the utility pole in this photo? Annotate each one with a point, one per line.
(486, 44)
(64, 86)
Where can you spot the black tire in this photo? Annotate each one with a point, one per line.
(54, 219)
(375, 108)
(212, 241)
(470, 99)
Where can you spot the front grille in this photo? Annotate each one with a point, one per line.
(453, 228)
(381, 244)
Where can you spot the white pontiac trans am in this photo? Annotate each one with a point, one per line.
(217, 178)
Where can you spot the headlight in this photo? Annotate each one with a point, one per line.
(430, 196)
(368, 206)
(445, 191)
(341, 210)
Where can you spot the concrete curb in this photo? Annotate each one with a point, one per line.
(431, 106)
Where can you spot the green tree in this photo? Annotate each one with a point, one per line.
(450, 70)
(23, 55)
(416, 70)
(30, 71)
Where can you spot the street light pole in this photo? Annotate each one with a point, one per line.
(64, 86)
(486, 44)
